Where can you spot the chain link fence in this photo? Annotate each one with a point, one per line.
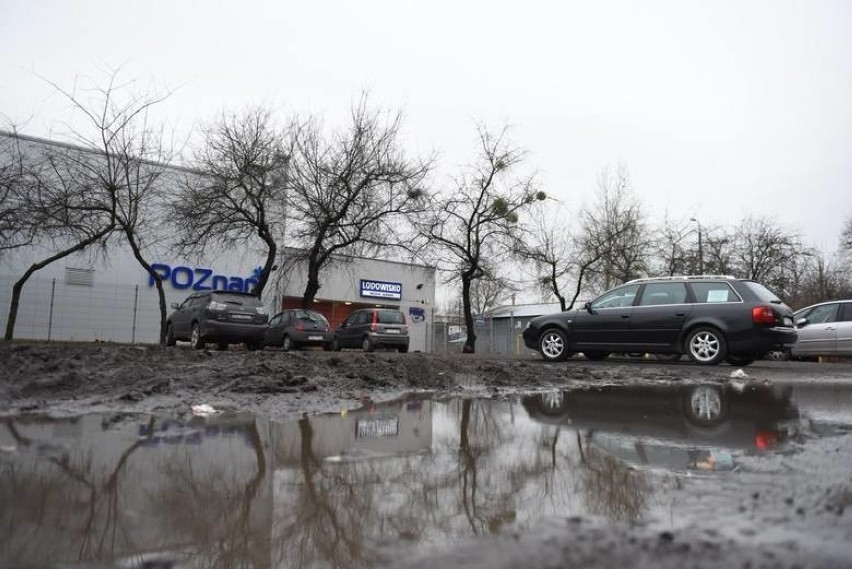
(53, 309)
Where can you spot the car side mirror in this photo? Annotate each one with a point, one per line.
(175, 305)
(801, 322)
(588, 308)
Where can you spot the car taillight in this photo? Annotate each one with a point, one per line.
(765, 440)
(762, 315)
(374, 326)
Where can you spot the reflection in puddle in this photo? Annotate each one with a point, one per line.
(328, 490)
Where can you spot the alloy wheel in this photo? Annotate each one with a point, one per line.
(552, 345)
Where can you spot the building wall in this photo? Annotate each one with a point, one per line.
(341, 291)
(115, 301)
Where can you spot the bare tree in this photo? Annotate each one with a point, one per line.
(473, 228)
(818, 279)
(549, 248)
(490, 292)
(761, 247)
(718, 255)
(127, 166)
(674, 250)
(846, 235)
(56, 211)
(16, 179)
(352, 192)
(239, 194)
(616, 218)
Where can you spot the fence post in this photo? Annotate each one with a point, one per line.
(50, 317)
(135, 308)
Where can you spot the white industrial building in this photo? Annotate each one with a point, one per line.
(107, 296)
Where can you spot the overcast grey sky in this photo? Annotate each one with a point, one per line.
(718, 108)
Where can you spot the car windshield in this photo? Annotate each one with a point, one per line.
(761, 292)
(240, 299)
(311, 317)
(391, 317)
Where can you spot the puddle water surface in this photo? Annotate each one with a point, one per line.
(340, 490)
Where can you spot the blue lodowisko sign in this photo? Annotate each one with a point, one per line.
(381, 289)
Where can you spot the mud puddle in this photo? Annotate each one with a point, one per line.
(387, 480)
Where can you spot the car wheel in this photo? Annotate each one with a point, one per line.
(706, 346)
(553, 345)
(739, 360)
(223, 346)
(195, 339)
(705, 406)
(778, 355)
(403, 349)
(328, 346)
(367, 344)
(596, 356)
(335, 345)
(254, 346)
(286, 343)
(170, 335)
(553, 403)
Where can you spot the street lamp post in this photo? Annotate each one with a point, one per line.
(700, 247)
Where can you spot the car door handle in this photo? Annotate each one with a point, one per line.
(625, 316)
(680, 313)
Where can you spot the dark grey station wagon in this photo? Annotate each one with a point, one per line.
(709, 318)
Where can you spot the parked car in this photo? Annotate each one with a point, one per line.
(371, 328)
(219, 317)
(297, 328)
(709, 318)
(824, 329)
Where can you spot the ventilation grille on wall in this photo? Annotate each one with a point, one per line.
(81, 277)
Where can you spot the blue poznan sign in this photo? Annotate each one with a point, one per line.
(381, 289)
(198, 278)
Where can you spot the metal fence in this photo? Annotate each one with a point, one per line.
(53, 309)
(493, 336)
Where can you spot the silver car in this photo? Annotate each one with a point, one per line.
(825, 329)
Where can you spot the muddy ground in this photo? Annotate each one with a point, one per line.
(791, 510)
(75, 378)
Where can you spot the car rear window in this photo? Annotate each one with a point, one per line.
(761, 292)
(713, 292)
(391, 317)
(311, 317)
(239, 299)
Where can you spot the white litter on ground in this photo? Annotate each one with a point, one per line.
(737, 374)
(203, 410)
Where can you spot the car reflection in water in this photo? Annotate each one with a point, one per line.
(676, 428)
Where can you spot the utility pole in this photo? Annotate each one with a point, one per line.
(700, 247)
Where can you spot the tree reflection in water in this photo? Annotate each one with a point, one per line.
(328, 513)
(79, 503)
(610, 487)
(229, 504)
(209, 509)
